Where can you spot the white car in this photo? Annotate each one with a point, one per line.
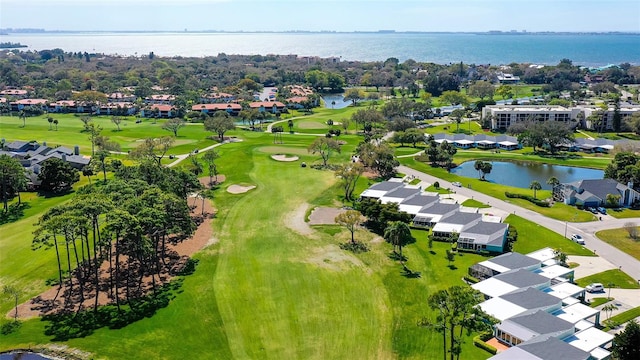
(457, 183)
(577, 238)
(595, 287)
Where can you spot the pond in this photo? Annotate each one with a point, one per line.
(22, 356)
(340, 103)
(521, 174)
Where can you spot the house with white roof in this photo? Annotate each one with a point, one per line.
(413, 204)
(399, 195)
(487, 236)
(430, 215)
(503, 263)
(510, 281)
(455, 223)
(378, 190)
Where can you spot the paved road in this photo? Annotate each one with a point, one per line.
(625, 262)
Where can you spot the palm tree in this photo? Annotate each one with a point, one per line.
(55, 122)
(50, 120)
(88, 172)
(398, 234)
(609, 308)
(553, 181)
(535, 186)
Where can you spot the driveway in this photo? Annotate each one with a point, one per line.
(619, 259)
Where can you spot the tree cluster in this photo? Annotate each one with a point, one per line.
(624, 168)
(379, 215)
(379, 157)
(127, 223)
(440, 155)
(539, 134)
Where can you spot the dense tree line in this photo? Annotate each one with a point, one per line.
(126, 223)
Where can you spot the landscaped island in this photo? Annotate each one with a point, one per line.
(137, 246)
(10, 45)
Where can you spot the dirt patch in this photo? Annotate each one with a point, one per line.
(239, 189)
(324, 216)
(295, 221)
(285, 158)
(217, 180)
(52, 301)
(283, 150)
(333, 258)
(311, 125)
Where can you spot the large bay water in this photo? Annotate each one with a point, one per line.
(584, 49)
(521, 174)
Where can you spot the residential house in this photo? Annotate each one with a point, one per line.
(14, 93)
(19, 105)
(231, 108)
(121, 97)
(399, 195)
(160, 99)
(510, 281)
(413, 204)
(505, 78)
(378, 190)
(268, 106)
(522, 328)
(428, 216)
(455, 223)
(503, 116)
(217, 97)
(484, 236)
(159, 110)
(520, 302)
(549, 349)
(503, 263)
(594, 192)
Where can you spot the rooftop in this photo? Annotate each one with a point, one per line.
(522, 278)
(526, 327)
(531, 298)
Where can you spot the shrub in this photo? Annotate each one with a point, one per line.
(479, 342)
(357, 247)
(470, 279)
(436, 185)
(529, 198)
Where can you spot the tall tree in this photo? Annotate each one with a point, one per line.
(209, 158)
(324, 146)
(153, 149)
(456, 313)
(349, 173)
(482, 89)
(354, 95)
(457, 116)
(12, 179)
(626, 344)
(116, 120)
(350, 219)
(220, 123)
(173, 125)
(12, 291)
(57, 175)
(535, 186)
(398, 234)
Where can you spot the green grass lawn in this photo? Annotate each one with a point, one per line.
(624, 213)
(475, 204)
(615, 277)
(532, 236)
(265, 290)
(620, 239)
(558, 211)
(597, 301)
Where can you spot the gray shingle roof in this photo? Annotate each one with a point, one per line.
(531, 298)
(420, 200)
(538, 323)
(386, 186)
(402, 193)
(439, 208)
(514, 261)
(460, 218)
(521, 278)
(554, 349)
(486, 232)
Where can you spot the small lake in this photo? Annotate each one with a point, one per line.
(22, 356)
(339, 100)
(521, 174)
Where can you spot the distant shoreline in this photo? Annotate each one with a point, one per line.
(377, 32)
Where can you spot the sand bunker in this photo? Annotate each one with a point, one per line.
(280, 157)
(239, 189)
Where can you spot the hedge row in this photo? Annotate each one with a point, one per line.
(479, 342)
(538, 202)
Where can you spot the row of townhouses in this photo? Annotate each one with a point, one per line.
(541, 312)
(476, 232)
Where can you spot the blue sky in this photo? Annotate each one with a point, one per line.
(315, 15)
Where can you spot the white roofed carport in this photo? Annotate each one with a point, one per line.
(501, 309)
(493, 287)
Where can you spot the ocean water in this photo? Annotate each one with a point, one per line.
(584, 49)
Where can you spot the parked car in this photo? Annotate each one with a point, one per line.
(594, 287)
(577, 239)
(602, 211)
(593, 210)
(457, 183)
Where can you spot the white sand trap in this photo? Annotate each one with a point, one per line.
(280, 157)
(238, 189)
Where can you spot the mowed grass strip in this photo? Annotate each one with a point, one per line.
(610, 278)
(532, 236)
(620, 239)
